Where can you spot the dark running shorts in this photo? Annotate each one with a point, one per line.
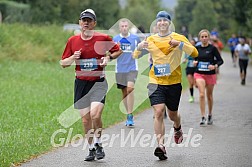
(243, 65)
(122, 79)
(86, 92)
(190, 70)
(167, 94)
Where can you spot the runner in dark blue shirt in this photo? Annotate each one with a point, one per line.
(232, 42)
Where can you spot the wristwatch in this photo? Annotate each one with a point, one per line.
(109, 54)
(110, 57)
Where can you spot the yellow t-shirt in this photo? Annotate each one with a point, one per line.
(166, 69)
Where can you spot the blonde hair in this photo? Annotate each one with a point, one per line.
(204, 30)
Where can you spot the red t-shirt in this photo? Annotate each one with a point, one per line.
(92, 50)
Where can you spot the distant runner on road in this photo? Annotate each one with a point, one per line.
(190, 69)
(243, 51)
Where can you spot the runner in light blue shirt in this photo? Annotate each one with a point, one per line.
(126, 67)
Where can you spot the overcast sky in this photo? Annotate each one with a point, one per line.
(169, 3)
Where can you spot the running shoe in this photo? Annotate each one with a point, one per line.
(203, 121)
(178, 136)
(160, 152)
(243, 82)
(91, 155)
(210, 120)
(130, 121)
(99, 151)
(191, 99)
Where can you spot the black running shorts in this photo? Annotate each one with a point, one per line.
(190, 70)
(167, 94)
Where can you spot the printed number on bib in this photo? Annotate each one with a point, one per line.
(203, 66)
(88, 64)
(162, 70)
(190, 63)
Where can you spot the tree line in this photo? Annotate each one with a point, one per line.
(232, 16)
(227, 16)
(107, 11)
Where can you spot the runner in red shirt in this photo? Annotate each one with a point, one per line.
(90, 51)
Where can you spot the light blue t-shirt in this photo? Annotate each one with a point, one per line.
(125, 63)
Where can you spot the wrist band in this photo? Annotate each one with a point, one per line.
(181, 45)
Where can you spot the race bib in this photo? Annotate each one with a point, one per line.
(88, 64)
(162, 70)
(203, 66)
(126, 47)
(190, 63)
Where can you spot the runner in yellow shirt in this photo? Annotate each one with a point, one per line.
(164, 86)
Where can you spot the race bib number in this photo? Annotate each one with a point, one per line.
(162, 70)
(88, 64)
(203, 66)
(190, 63)
(126, 47)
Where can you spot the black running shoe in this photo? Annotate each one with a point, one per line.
(91, 155)
(160, 153)
(243, 82)
(203, 121)
(99, 151)
(210, 120)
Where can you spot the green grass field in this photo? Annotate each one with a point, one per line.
(33, 95)
(35, 90)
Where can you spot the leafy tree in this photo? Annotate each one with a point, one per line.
(45, 11)
(223, 13)
(141, 12)
(107, 12)
(183, 13)
(204, 17)
(225, 18)
(22, 1)
(71, 9)
(242, 14)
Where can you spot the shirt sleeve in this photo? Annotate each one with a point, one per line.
(67, 52)
(188, 48)
(219, 60)
(249, 49)
(113, 47)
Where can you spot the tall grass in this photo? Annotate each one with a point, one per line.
(28, 42)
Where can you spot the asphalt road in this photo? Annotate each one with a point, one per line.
(225, 143)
